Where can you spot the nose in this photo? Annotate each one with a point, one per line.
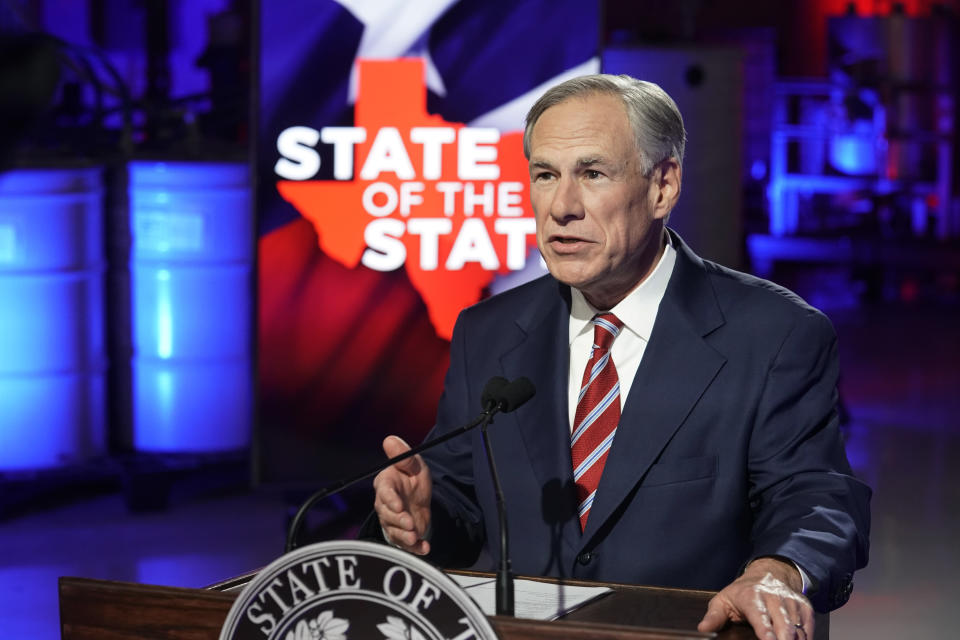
(567, 203)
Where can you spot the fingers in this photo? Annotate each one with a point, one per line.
(407, 540)
(759, 617)
(797, 618)
(402, 500)
(394, 509)
(390, 492)
(399, 526)
(421, 548)
(775, 611)
(394, 446)
(717, 615)
(780, 613)
(389, 504)
(807, 620)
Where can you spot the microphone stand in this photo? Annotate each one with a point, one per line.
(504, 588)
(492, 408)
(499, 395)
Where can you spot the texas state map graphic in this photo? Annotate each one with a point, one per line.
(446, 202)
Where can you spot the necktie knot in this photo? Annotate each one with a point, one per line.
(606, 327)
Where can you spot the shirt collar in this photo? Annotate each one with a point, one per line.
(638, 310)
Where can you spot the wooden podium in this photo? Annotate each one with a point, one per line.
(105, 610)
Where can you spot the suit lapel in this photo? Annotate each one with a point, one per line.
(543, 355)
(677, 367)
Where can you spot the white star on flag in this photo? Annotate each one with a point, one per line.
(401, 28)
(395, 29)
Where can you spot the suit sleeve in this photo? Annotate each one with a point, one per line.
(808, 507)
(456, 519)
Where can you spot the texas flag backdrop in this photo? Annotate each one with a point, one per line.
(392, 192)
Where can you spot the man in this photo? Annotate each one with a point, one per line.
(716, 389)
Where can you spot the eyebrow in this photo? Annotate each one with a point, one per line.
(589, 161)
(582, 163)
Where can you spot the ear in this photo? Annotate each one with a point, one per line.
(668, 177)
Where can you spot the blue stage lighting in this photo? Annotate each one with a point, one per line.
(191, 284)
(52, 354)
(854, 152)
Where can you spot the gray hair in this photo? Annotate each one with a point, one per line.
(654, 117)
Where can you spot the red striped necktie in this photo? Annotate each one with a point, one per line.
(597, 415)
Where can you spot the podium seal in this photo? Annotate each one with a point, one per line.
(354, 590)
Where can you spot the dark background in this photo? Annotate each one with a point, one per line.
(823, 155)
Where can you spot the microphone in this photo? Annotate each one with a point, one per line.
(499, 396)
(510, 397)
(493, 392)
(515, 394)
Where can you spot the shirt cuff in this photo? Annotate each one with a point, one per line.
(804, 577)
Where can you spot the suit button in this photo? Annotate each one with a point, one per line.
(585, 558)
(842, 593)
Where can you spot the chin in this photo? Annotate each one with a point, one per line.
(575, 281)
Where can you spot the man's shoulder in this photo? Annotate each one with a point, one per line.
(736, 292)
(733, 282)
(742, 295)
(507, 317)
(529, 296)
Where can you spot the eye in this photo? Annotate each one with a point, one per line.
(592, 174)
(542, 176)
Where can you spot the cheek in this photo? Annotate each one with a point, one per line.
(632, 240)
(539, 199)
(539, 211)
(540, 222)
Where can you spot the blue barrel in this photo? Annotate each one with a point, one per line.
(52, 352)
(191, 287)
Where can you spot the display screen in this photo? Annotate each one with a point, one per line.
(392, 193)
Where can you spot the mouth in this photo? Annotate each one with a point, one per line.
(565, 239)
(566, 244)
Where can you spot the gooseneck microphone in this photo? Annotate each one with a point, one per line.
(512, 396)
(499, 396)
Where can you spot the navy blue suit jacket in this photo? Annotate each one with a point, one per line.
(727, 449)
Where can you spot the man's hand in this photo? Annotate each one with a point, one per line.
(768, 597)
(402, 499)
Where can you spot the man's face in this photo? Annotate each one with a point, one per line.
(599, 221)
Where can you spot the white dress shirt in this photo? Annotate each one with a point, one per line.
(637, 312)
